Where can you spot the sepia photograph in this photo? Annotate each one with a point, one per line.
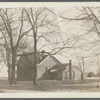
(49, 48)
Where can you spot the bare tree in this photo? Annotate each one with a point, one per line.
(6, 54)
(39, 23)
(2, 59)
(81, 65)
(98, 65)
(6, 59)
(12, 30)
(45, 26)
(90, 19)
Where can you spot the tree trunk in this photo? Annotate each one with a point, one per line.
(9, 71)
(35, 75)
(9, 74)
(82, 76)
(35, 61)
(8, 63)
(13, 80)
(35, 69)
(99, 75)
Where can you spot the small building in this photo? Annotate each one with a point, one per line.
(72, 73)
(91, 74)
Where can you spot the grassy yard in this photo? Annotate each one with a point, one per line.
(50, 86)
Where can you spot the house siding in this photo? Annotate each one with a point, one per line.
(46, 64)
(76, 74)
(25, 67)
(59, 75)
(24, 73)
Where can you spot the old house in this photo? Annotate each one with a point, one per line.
(48, 68)
(25, 66)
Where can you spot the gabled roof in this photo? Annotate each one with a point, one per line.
(56, 60)
(28, 59)
(60, 66)
(44, 57)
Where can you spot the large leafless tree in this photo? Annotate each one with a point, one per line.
(11, 28)
(45, 26)
(39, 23)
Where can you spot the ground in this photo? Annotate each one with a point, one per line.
(51, 86)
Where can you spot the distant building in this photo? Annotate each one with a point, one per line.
(91, 74)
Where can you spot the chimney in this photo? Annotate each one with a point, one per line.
(70, 69)
(42, 54)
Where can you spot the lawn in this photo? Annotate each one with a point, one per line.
(51, 86)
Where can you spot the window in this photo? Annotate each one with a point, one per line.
(68, 74)
(64, 75)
